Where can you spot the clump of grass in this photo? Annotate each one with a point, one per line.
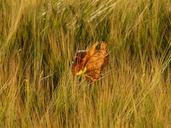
(38, 40)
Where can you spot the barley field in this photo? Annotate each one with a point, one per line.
(38, 40)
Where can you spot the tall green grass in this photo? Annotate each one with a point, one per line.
(38, 39)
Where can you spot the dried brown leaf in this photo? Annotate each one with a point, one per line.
(93, 60)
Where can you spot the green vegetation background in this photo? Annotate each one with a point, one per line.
(38, 39)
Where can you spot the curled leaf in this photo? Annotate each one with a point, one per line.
(90, 62)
